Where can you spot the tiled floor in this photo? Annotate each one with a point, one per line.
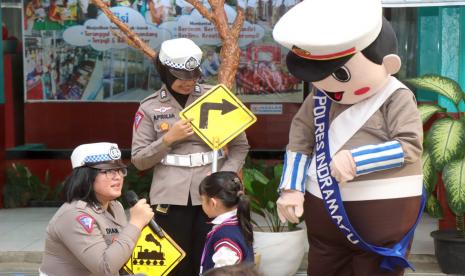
(23, 230)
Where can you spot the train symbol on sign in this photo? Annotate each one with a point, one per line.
(147, 257)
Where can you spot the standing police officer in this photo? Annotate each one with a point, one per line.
(180, 159)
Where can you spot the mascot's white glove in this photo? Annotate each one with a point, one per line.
(290, 205)
(343, 166)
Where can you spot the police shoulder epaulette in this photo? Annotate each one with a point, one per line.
(152, 96)
(207, 87)
(163, 94)
(81, 204)
(198, 89)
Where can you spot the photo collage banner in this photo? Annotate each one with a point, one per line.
(72, 51)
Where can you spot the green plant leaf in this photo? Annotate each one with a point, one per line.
(261, 181)
(438, 84)
(270, 193)
(429, 173)
(247, 179)
(433, 208)
(259, 176)
(446, 141)
(278, 171)
(428, 110)
(454, 182)
(256, 208)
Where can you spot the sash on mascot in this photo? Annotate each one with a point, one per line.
(329, 187)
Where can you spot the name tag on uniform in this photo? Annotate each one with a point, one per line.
(112, 231)
(163, 116)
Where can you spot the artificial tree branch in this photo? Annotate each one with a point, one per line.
(238, 22)
(221, 20)
(130, 37)
(202, 10)
(230, 51)
(123, 37)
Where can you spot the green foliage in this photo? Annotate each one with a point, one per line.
(454, 175)
(429, 180)
(444, 147)
(428, 110)
(137, 181)
(446, 141)
(261, 185)
(444, 86)
(22, 187)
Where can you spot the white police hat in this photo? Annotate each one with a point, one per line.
(322, 35)
(97, 155)
(329, 29)
(182, 57)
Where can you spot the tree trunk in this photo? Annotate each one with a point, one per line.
(230, 54)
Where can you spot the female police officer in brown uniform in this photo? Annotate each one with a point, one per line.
(89, 234)
(180, 159)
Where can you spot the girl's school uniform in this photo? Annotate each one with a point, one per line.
(225, 243)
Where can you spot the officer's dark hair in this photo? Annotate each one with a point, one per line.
(79, 185)
(227, 187)
(385, 44)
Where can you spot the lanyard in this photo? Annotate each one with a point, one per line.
(329, 187)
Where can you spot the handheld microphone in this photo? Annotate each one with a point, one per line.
(132, 198)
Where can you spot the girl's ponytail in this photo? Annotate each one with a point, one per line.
(243, 215)
(228, 187)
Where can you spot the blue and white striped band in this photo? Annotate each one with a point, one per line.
(295, 169)
(379, 157)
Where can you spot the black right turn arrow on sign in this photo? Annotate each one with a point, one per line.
(218, 116)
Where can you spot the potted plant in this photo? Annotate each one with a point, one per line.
(280, 247)
(444, 152)
(26, 189)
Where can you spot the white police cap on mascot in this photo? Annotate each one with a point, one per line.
(349, 40)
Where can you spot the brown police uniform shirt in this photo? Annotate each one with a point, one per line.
(173, 184)
(83, 239)
(397, 119)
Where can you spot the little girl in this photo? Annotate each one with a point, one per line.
(230, 240)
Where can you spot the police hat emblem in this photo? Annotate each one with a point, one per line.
(191, 64)
(114, 153)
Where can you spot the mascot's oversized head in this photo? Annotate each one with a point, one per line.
(345, 48)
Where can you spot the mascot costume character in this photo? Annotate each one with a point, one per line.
(353, 162)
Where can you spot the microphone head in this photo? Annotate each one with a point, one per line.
(131, 197)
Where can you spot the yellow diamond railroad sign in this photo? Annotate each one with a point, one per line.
(218, 116)
(153, 255)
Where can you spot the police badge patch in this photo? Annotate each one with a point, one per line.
(87, 222)
(162, 109)
(137, 119)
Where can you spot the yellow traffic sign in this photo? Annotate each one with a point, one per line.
(218, 116)
(153, 255)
